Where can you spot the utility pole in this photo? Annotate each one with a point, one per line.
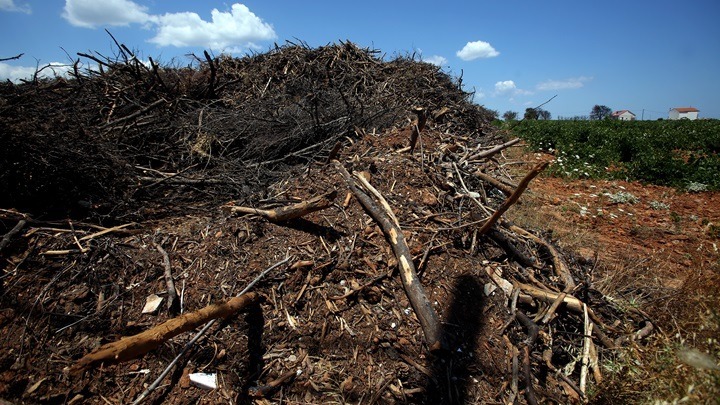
(642, 117)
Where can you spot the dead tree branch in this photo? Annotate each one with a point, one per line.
(513, 198)
(416, 293)
(131, 347)
(8, 236)
(490, 152)
(169, 282)
(561, 269)
(417, 128)
(289, 212)
(533, 330)
(213, 75)
(133, 115)
(12, 57)
(201, 333)
(504, 188)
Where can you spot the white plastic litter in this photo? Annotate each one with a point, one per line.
(206, 381)
(152, 303)
(489, 288)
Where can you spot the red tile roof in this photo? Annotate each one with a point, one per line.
(686, 109)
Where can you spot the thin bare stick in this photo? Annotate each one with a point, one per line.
(553, 308)
(426, 253)
(508, 245)
(586, 351)
(213, 74)
(549, 297)
(12, 57)
(134, 115)
(169, 282)
(265, 390)
(357, 290)
(64, 252)
(106, 231)
(515, 367)
(131, 347)
(561, 375)
(468, 192)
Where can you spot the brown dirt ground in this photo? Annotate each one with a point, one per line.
(660, 254)
(368, 347)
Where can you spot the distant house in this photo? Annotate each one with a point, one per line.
(623, 115)
(678, 113)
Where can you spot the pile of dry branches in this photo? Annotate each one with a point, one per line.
(126, 137)
(384, 186)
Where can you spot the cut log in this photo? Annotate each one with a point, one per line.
(131, 347)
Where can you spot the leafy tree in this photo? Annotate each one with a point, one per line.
(510, 116)
(543, 114)
(530, 114)
(600, 112)
(536, 114)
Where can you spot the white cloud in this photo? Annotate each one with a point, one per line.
(477, 49)
(505, 86)
(571, 83)
(93, 13)
(235, 30)
(508, 87)
(240, 26)
(9, 5)
(16, 73)
(436, 60)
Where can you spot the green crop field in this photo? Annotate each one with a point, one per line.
(683, 154)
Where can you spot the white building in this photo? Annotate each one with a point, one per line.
(678, 113)
(623, 115)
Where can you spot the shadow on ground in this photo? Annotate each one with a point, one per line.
(452, 371)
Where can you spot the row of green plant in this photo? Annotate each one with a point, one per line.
(681, 153)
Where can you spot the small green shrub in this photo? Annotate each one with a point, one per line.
(622, 197)
(695, 187)
(657, 205)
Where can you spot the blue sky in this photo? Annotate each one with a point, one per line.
(636, 55)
